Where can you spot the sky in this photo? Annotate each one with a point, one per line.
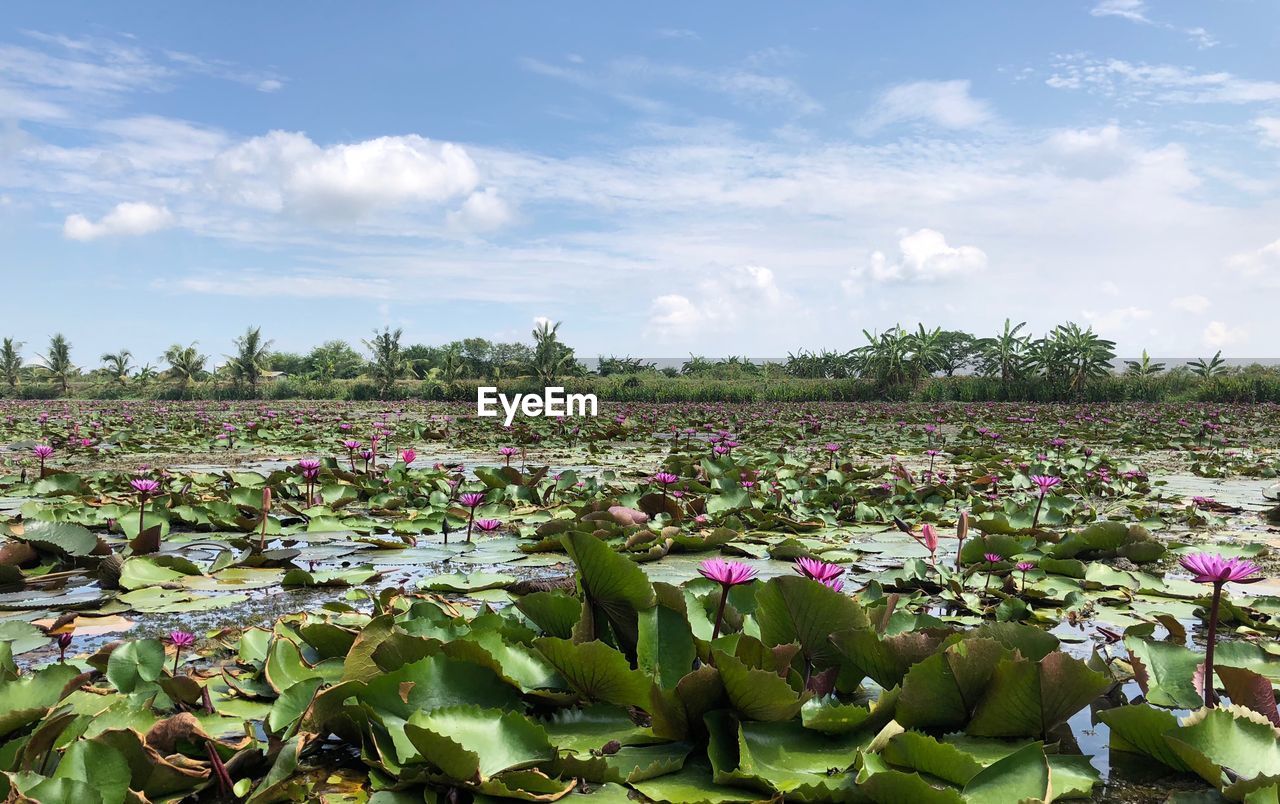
(664, 178)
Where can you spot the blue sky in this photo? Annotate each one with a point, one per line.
(665, 178)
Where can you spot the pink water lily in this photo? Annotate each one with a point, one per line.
(179, 640)
(728, 574)
(408, 456)
(818, 570)
(1219, 571)
(1215, 569)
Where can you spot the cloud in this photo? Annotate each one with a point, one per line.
(483, 211)
(625, 78)
(1136, 11)
(1194, 304)
(1158, 83)
(1270, 128)
(678, 33)
(1261, 265)
(1220, 335)
(287, 172)
(924, 257)
(130, 218)
(1110, 321)
(1133, 10)
(734, 298)
(943, 103)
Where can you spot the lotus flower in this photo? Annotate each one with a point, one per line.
(488, 525)
(179, 640)
(1044, 483)
(666, 478)
(508, 452)
(42, 452)
(472, 500)
(728, 574)
(145, 487)
(817, 570)
(408, 456)
(1217, 570)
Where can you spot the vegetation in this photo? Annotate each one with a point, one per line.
(1067, 363)
(825, 603)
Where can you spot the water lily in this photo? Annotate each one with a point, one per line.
(42, 452)
(728, 574)
(145, 487)
(508, 453)
(1219, 571)
(823, 572)
(488, 525)
(472, 500)
(179, 640)
(408, 456)
(1045, 483)
(1024, 567)
(352, 445)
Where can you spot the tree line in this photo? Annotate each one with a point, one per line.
(1067, 355)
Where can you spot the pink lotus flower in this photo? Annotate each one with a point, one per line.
(1045, 482)
(181, 639)
(488, 525)
(471, 499)
(993, 558)
(42, 451)
(1215, 569)
(144, 486)
(1024, 566)
(408, 456)
(818, 570)
(726, 573)
(666, 478)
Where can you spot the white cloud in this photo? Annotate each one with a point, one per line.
(1220, 335)
(287, 172)
(1194, 304)
(1133, 10)
(1261, 265)
(738, 297)
(1110, 321)
(1270, 128)
(483, 211)
(128, 218)
(1136, 11)
(944, 103)
(624, 79)
(1158, 83)
(924, 256)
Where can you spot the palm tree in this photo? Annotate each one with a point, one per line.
(58, 361)
(251, 358)
(11, 361)
(1005, 355)
(1073, 355)
(186, 364)
(452, 364)
(1143, 367)
(1208, 368)
(388, 364)
(551, 358)
(888, 356)
(117, 365)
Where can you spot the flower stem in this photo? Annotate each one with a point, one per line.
(1211, 696)
(1035, 518)
(724, 598)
